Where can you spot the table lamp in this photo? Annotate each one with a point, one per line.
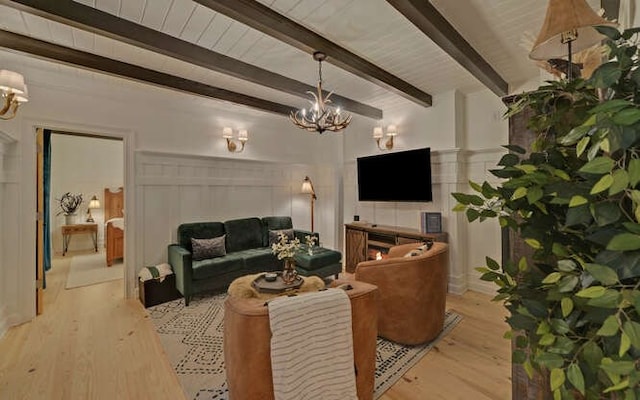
(93, 203)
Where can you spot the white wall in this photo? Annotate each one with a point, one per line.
(161, 125)
(84, 165)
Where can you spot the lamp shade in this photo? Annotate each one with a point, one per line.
(94, 202)
(565, 16)
(11, 81)
(227, 133)
(377, 132)
(307, 186)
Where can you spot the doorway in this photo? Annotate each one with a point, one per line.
(83, 167)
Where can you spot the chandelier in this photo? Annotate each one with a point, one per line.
(322, 116)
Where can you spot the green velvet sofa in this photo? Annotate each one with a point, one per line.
(247, 252)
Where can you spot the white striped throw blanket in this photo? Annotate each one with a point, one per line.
(312, 347)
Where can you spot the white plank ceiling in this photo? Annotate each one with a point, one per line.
(371, 29)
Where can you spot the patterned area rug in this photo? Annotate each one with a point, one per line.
(192, 339)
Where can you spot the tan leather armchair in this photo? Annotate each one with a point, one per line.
(413, 292)
(247, 343)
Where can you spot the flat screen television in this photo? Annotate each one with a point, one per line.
(399, 176)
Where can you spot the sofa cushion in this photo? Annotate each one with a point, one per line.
(212, 267)
(260, 259)
(208, 248)
(274, 224)
(243, 234)
(274, 236)
(198, 230)
(321, 257)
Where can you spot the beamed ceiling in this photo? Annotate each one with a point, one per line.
(381, 53)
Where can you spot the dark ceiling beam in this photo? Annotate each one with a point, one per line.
(426, 18)
(270, 22)
(77, 58)
(93, 20)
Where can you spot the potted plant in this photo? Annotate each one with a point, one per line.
(286, 249)
(575, 200)
(69, 204)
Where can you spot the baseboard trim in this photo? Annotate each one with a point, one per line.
(489, 288)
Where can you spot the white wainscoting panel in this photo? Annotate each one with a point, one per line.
(176, 189)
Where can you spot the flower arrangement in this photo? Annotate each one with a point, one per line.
(69, 203)
(310, 241)
(285, 248)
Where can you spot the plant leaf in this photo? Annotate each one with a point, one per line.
(599, 165)
(566, 304)
(582, 145)
(624, 242)
(627, 116)
(620, 181)
(619, 386)
(632, 330)
(625, 344)
(634, 171)
(577, 201)
(575, 377)
(602, 273)
(609, 326)
(591, 292)
(519, 193)
(618, 367)
(557, 378)
(603, 184)
(552, 278)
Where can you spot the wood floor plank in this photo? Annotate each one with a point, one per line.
(92, 344)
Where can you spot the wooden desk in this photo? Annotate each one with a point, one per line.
(78, 229)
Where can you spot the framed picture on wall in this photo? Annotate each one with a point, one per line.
(431, 222)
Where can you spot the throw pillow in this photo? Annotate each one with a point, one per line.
(274, 236)
(420, 249)
(208, 248)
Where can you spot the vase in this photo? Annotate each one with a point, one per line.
(289, 273)
(69, 219)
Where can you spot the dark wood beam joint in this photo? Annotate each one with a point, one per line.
(264, 19)
(428, 19)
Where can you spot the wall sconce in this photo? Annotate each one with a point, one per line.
(378, 134)
(232, 146)
(307, 188)
(13, 91)
(93, 204)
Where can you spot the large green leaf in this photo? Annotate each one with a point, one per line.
(618, 367)
(566, 304)
(577, 200)
(602, 273)
(620, 181)
(625, 344)
(606, 74)
(610, 299)
(468, 199)
(534, 194)
(609, 327)
(575, 377)
(592, 354)
(603, 184)
(606, 213)
(611, 105)
(624, 242)
(592, 292)
(549, 360)
(632, 329)
(609, 31)
(599, 165)
(557, 378)
(634, 170)
(509, 160)
(627, 116)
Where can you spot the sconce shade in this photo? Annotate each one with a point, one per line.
(13, 92)
(11, 82)
(232, 145)
(565, 16)
(377, 132)
(392, 130)
(94, 202)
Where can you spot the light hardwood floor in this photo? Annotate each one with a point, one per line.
(90, 343)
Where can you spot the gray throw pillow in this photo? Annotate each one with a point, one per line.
(274, 236)
(208, 248)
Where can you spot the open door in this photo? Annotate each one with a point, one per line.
(40, 222)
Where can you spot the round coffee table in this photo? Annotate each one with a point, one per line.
(243, 287)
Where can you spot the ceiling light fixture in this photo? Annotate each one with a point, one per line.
(322, 116)
(232, 146)
(13, 91)
(378, 133)
(568, 28)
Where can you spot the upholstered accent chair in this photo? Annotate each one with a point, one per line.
(247, 343)
(413, 292)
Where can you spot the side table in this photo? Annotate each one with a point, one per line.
(79, 229)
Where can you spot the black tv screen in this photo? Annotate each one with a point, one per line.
(399, 176)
